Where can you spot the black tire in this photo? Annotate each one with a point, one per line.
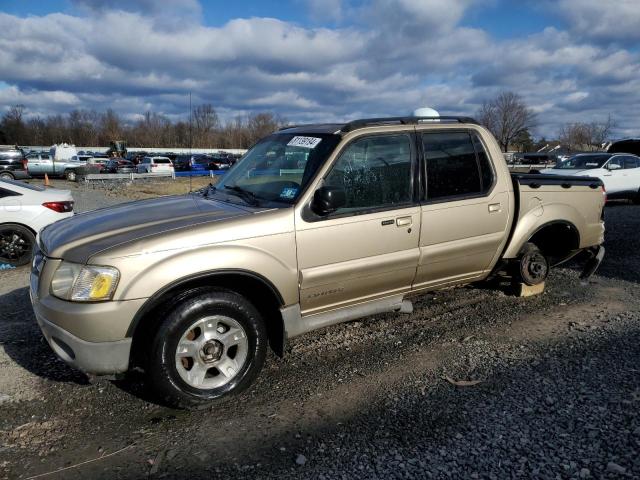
(70, 175)
(532, 267)
(161, 368)
(636, 199)
(7, 176)
(16, 244)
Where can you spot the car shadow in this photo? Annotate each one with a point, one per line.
(23, 342)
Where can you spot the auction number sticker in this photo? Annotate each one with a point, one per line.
(305, 142)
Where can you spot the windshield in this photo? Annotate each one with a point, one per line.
(279, 167)
(583, 162)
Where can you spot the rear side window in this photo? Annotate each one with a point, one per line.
(8, 193)
(457, 165)
(631, 162)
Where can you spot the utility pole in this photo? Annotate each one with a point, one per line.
(190, 144)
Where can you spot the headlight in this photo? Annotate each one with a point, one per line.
(84, 283)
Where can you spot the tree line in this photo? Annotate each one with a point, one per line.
(510, 120)
(92, 128)
(507, 116)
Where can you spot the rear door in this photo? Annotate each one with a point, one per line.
(615, 177)
(46, 164)
(465, 211)
(632, 175)
(367, 249)
(34, 165)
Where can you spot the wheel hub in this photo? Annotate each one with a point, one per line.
(211, 351)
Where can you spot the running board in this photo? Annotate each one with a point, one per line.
(295, 324)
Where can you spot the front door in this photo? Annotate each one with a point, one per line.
(369, 248)
(466, 210)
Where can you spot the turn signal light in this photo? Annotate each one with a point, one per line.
(60, 207)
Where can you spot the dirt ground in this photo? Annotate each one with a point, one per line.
(553, 391)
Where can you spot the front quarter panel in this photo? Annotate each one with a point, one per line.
(262, 244)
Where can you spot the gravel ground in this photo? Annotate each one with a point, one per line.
(550, 389)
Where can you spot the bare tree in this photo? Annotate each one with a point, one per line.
(205, 125)
(13, 124)
(586, 136)
(262, 124)
(507, 117)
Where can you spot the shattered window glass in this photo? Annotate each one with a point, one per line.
(375, 172)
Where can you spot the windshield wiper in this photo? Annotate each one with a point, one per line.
(249, 197)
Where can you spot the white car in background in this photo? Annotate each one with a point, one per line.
(155, 165)
(620, 172)
(24, 210)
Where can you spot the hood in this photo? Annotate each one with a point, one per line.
(80, 237)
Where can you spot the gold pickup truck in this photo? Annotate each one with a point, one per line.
(316, 225)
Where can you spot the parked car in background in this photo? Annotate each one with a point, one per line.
(185, 163)
(219, 162)
(535, 159)
(155, 165)
(24, 210)
(620, 172)
(39, 164)
(135, 157)
(119, 165)
(13, 163)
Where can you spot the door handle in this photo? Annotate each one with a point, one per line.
(403, 221)
(494, 207)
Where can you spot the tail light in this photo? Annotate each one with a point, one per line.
(60, 207)
(153, 165)
(604, 193)
(25, 162)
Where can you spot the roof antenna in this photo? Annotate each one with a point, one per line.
(425, 112)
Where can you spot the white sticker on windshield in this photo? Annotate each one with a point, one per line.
(305, 142)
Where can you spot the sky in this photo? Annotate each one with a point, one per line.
(324, 60)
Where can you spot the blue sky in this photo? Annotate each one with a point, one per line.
(323, 60)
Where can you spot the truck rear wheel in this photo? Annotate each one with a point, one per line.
(70, 175)
(209, 346)
(533, 266)
(6, 176)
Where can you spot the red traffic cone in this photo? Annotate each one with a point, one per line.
(46, 180)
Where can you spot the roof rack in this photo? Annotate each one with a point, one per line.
(368, 122)
(299, 125)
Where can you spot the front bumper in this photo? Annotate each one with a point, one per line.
(91, 337)
(99, 358)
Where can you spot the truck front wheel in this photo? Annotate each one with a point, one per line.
(70, 175)
(533, 266)
(209, 346)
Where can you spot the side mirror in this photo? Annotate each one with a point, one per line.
(613, 166)
(327, 200)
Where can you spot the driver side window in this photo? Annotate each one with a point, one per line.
(375, 172)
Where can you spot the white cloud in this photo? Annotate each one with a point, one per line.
(398, 55)
(617, 21)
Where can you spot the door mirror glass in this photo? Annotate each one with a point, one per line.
(328, 199)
